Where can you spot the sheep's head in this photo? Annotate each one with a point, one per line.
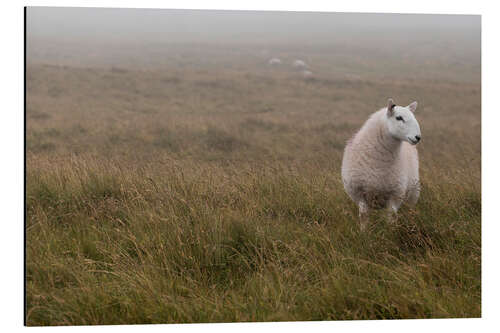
(401, 122)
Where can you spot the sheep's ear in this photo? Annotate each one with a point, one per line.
(390, 107)
(413, 106)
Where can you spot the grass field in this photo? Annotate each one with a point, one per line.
(189, 191)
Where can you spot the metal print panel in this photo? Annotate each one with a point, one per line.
(196, 166)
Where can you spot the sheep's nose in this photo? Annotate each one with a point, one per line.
(417, 137)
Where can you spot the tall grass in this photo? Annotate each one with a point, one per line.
(156, 197)
(108, 245)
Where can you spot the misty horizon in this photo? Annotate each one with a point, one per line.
(175, 38)
(176, 25)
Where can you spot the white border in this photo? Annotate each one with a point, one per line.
(12, 92)
(382, 6)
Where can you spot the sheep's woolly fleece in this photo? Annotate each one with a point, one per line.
(379, 170)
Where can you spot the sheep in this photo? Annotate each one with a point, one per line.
(274, 61)
(300, 64)
(380, 162)
(306, 73)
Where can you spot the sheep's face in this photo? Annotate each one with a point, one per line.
(402, 124)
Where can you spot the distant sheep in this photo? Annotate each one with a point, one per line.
(299, 64)
(274, 61)
(380, 164)
(305, 73)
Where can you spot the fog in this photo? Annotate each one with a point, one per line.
(164, 25)
(242, 39)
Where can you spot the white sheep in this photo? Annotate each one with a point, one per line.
(299, 64)
(305, 73)
(380, 164)
(274, 61)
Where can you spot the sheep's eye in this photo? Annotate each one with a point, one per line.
(400, 118)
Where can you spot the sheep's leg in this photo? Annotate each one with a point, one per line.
(413, 194)
(392, 216)
(363, 215)
(392, 211)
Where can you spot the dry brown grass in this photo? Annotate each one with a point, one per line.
(213, 193)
